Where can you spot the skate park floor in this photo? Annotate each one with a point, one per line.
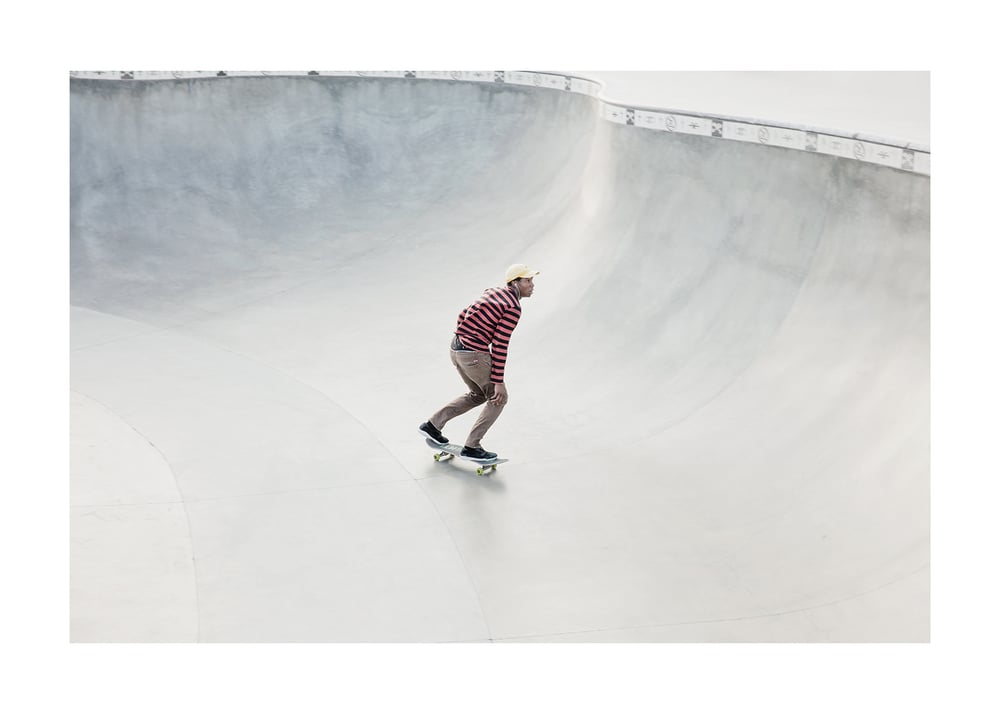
(719, 419)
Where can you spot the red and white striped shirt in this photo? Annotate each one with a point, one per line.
(490, 321)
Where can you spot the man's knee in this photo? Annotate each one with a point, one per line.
(477, 397)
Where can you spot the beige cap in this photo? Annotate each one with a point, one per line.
(520, 270)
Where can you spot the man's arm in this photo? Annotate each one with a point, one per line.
(501, 340)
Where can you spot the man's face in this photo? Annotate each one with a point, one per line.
(526, 286)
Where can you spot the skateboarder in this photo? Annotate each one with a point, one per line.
(479, 353)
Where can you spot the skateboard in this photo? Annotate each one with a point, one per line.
(450, 451)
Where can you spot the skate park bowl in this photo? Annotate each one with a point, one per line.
(718, 428)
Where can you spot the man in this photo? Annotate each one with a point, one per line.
(479, 353)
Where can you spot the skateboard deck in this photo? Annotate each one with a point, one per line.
(450, 451)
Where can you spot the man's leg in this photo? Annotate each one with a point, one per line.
(469, 366)
(488, 417)
(477, 371)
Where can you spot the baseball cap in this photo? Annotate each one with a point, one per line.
(520, 270)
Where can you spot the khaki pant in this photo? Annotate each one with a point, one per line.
(474, 368)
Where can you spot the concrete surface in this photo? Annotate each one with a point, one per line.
(719, 418)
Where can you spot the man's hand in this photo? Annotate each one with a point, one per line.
(499, 395)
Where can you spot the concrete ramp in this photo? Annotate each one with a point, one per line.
(719, 416)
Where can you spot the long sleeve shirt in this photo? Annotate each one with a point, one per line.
(487, 324)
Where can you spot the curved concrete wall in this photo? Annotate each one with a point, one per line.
(200, 180)
(719, 417)
(859, 146)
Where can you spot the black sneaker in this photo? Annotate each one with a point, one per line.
(478, 454)
(428, 430)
